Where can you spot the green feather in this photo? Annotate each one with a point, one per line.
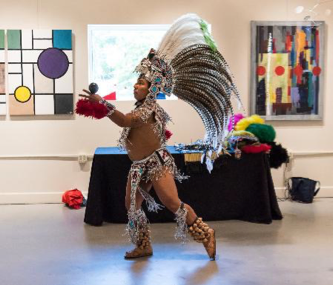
(265, 133)
(204, 26)
(207, 36)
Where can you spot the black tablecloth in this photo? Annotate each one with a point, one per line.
(236, 189)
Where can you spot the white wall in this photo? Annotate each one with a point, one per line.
(44, 180)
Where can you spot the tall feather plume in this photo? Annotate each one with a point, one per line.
(201, 75)
(185, 31)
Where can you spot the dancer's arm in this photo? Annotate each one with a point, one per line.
(125, 120)
(120, 119)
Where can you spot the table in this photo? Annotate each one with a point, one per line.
(236, 189)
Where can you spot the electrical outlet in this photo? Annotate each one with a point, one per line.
(82, 159)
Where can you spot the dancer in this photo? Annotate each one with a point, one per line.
(188, 64)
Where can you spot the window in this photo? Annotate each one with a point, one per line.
(115, 51)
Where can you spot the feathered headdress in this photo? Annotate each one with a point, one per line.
(188, 64)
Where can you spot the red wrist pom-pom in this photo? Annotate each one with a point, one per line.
(100, 111)
(91, 109)
(168, 134)
(256, 148)
(83, 107)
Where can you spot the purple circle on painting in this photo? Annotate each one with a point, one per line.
(53, 63)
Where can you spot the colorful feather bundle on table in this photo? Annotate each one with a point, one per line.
(252, 135)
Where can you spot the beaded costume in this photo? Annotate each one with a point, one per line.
(187, 64)
(150, 168)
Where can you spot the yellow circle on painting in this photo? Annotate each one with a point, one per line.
(22, 94)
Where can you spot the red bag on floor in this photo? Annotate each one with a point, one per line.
(74, 199)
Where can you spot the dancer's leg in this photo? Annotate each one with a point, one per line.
(146, 186)
(166, 190)
(143, 246)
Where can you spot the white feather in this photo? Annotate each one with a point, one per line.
(209, 164)
(202, 158)
(219, 149)
(185, 31)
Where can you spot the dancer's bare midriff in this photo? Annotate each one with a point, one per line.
(142, 141)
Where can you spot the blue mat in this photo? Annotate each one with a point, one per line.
(117, 150)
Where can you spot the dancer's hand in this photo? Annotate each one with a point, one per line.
(92, 97)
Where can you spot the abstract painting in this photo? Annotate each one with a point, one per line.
(40, 72)
(287, 70)
(2, 74)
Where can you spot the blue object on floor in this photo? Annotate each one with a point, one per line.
(117, 150)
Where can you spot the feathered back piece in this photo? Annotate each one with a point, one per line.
(184, 32)
(200, 74)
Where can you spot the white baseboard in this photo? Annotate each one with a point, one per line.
(55, 197)
(325, 192)
(33, 198)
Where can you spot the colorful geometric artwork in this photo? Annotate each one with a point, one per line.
(2, 74)
(40, 72)
(287, 70)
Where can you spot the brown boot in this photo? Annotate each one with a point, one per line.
(202, 233)
(143, 247)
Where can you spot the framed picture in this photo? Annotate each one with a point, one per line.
(2, 74)
(40, 72)
(287, 60)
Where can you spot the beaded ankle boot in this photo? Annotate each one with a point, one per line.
(143, 247)
(202, 233)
